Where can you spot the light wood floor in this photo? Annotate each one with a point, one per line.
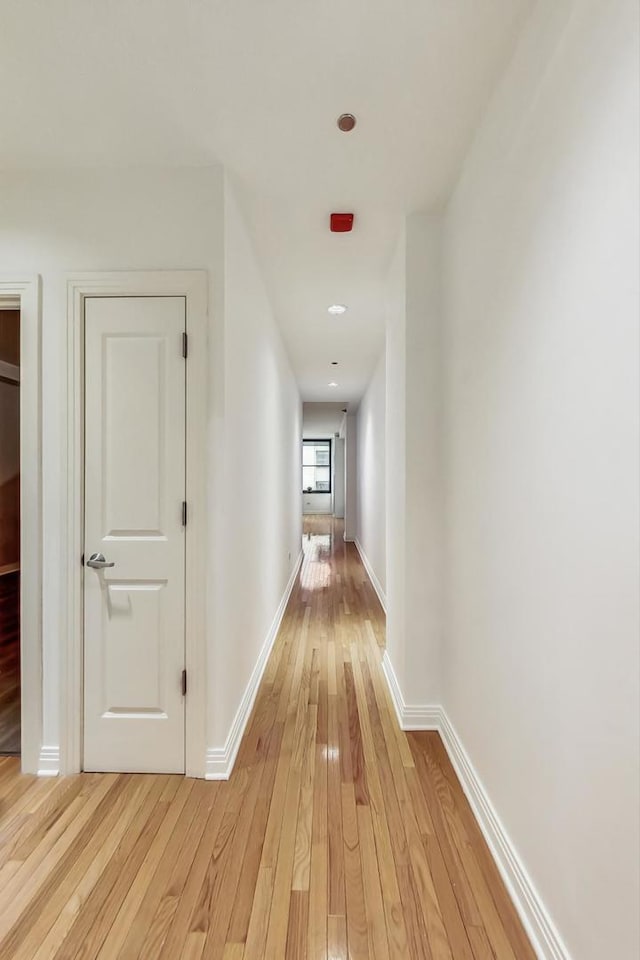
(337, 836)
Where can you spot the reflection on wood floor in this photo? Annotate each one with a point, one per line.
(10, 662)
(337, 836)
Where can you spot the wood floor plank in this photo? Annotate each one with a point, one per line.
(46, 865)
(168, 905)
(374, 754)
(259, 919)
(356, 914)
(358, 770)
(334, 814)
(451, 835)
(177, 931)
(97, 900)
(112, 947)
(58, 909)
(241, 913)
(17, 797)
(337, 937)
(302, 848)
(296, 947)
(376, 929)
(193, 945)
(25, 817)
(418, 944)
(498, 916)
(279, 914)
(156, 911)
(211, 904)
(337, 836)
(318, 871)
(233, 951)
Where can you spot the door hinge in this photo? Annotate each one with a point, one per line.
(185, 345)
(184, 683)
(184, 513)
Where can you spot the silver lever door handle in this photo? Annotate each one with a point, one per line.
(98, 562)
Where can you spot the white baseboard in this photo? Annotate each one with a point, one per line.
(220, 760)
(536, 919)
(49, 762)
(544, 936)
(377, 586)
(410, 716)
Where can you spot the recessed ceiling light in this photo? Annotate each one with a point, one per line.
(333, 384)
(336, 309)
(346, 122)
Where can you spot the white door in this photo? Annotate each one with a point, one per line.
(134, 608)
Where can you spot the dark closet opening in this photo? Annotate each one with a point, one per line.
(9, 531)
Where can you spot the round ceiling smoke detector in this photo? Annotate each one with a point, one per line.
(346, 122)
(336, 309)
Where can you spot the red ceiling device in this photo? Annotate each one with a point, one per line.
(341, 222)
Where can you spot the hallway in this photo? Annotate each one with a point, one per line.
(336, 836)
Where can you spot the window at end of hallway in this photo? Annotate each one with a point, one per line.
(316, 466)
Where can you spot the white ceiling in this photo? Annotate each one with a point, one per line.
(258, 85)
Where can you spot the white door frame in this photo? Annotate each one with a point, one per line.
(193, 286)
(24, 293)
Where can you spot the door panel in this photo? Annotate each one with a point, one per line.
(134, 487)
(136, 615)
(134, 444)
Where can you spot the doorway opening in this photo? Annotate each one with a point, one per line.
(328, 470)
(10, 693)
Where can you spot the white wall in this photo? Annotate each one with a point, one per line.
(395, 449)
(62, 222)
(317, 503)
(338, 477)
(56, 223)
(414, 467)
(423, 472)
(350, 476)
(258, 504)
(371, 499)
(541, 666)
